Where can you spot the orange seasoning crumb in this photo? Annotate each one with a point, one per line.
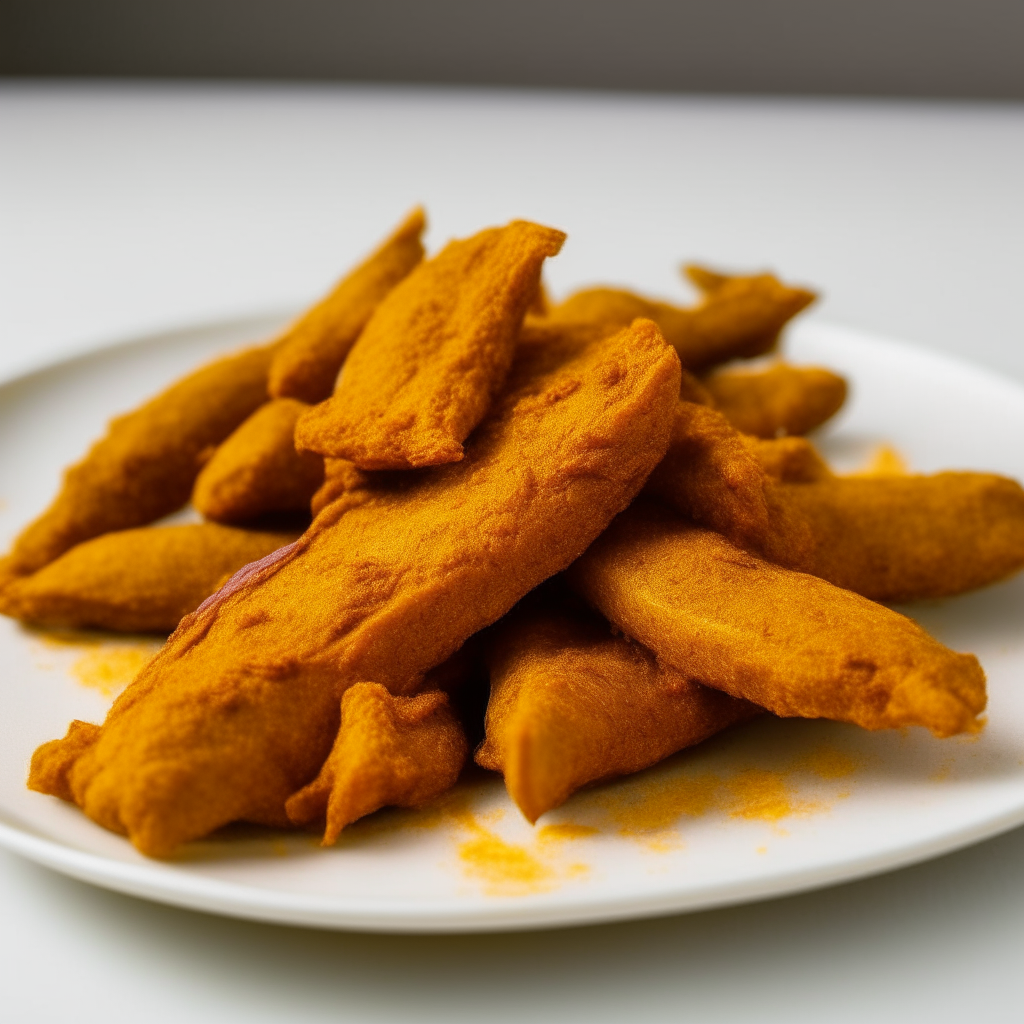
(648, 806)
(829, 763)
(884, 461)
(110, 669)
(657, 804)
(107, 668)
(505, 868)
(760, 795)
(565, 830)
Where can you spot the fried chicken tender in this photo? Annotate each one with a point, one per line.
(389, 752)
(315, 346)
(145, 465)
(136, 581)
(902, 538)
(257, 470)
(783, 399)
(571, 704)
(432, 358)
(738, 320)
(713, 475)
(784, 640)
(889, 538)
(241, 707)
(789, 460)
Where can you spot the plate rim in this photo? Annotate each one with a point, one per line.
(520, 913)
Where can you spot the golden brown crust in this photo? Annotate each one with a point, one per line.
(427, 367)
(789, 460)
(257, 470)
(781, 400)
(240, 708)
(889, 538)
(389, 752)
(571, 704)
(340, 477)
(52, 761)
(739, 319)
(903, 538)
(704, 278)
(540, 304)
(144, 467)
(713, 475)
(136, 581)
(314, 347)
(786, 641)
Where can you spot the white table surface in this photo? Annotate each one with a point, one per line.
(130, 209)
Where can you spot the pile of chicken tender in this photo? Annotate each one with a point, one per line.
(444, 517)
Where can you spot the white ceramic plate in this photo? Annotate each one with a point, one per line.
(770, 808)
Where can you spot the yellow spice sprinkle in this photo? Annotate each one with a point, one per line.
(759, 795)
(110, 669)
(828, 763)
(505, 869)
(885, 461)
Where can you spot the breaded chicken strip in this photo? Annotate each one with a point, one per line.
(240, 708)
(136, 581)
(145, 465)
(784, 640)
(739, 320)
(781, 400)
(889, 538)
(714, 475)
(389, 752)
(571, 704)
(257, 470)
(314, 347)
(789, 460)
(432, 358)
(903, 538)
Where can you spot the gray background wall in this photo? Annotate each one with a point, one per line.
(942, 48)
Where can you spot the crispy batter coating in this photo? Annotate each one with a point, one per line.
(713, 475)
(240, 708)
(316, 345)
(571, 704)
(902, 538)
(136, 580)
(340, 477)
(790, 460)
(738, 320)
(257, 470)
(784, 640)
(51, 762)
(430, 361)
(389, 752)
(145, 465)
(890, 538)
(704, 278)
(781, 400)
(540, 304)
